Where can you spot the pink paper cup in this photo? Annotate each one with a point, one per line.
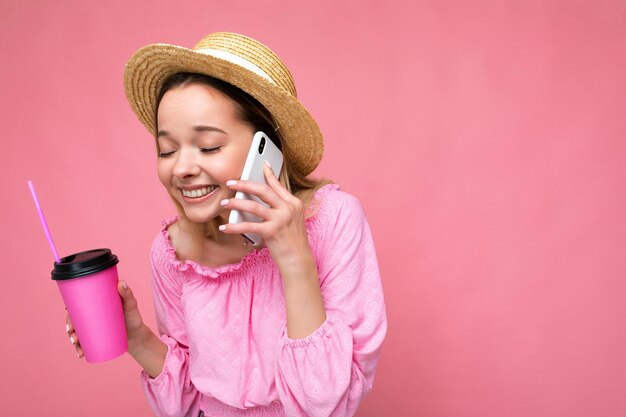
(88, 285)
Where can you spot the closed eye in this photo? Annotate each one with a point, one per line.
(165, 154)
(210, 150)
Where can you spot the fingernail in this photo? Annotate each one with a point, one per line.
(231, 182)
(224, 202)
(124, 285)
(268, 163)
(222, 227)
(78, 355)
(67, 328)
(72, 339)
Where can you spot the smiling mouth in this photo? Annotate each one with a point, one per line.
(199, 192)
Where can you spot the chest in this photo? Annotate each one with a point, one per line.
(234, 327)
(236, 313)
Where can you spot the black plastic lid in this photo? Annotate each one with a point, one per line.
(83, 263)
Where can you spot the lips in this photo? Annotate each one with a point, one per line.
(198, 192)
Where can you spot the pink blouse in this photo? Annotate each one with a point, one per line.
(226, 327)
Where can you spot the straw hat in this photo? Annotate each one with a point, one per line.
(240, 61)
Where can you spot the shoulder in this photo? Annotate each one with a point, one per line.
(333, 213)
(330, 202)
(162, 247)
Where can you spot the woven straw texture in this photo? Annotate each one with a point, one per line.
(150, 66)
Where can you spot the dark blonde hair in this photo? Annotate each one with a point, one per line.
(250, 111)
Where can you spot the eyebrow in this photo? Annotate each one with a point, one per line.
(197, 128)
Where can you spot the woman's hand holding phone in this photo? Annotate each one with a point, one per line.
(283, 227)
(262, 150)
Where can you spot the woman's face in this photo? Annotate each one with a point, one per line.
(202, 145)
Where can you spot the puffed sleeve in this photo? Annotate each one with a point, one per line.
(171, 393)
(328, 372)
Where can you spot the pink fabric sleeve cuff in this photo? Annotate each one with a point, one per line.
(171, 346)
(324, 331)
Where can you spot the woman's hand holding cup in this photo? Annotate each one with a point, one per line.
(135, 328)
(69, 329)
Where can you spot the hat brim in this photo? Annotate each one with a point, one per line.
(150, 66)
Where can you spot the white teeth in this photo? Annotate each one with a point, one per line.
(200, 192)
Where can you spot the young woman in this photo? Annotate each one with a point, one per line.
(291, 327)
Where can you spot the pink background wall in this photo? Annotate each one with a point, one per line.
(486, 140)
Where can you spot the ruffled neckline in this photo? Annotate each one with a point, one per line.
(249, 259)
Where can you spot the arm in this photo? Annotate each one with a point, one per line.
(303, 296)
(329, 371)
(165, 379)
(149, 352)
(340, 320)
(284, 233)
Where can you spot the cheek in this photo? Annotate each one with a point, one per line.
(229, 168)
(164, 173)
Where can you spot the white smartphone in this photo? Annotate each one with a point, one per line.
(261, 150)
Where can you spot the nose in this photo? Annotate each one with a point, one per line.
(186, 164)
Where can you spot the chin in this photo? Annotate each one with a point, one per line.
(199, 218)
